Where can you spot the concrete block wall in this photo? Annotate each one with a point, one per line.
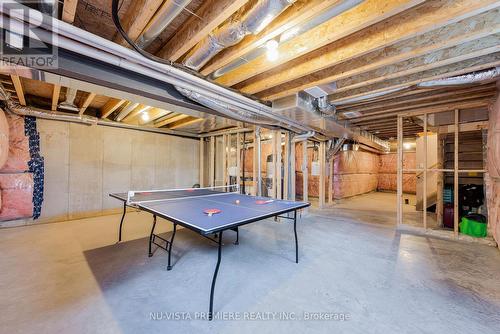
(83, 164)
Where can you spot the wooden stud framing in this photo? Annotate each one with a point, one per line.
(425, 174)
(69, 10)
(440, 183)
(399, 197)
(238, 158)
(211, 159)
(292, 175)
(255, 162)
(277, 165)
(455, 177)
(224, 160)
(305, 172)
(330, 180)
(111, 106)
(286, 167)
(202, 163)
(322, 173)
(274, 155)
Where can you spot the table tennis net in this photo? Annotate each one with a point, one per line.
(146, 196)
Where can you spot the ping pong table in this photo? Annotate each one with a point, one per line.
(206, 211)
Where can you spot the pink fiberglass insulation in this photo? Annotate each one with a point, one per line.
(312, 185)
(17, 196)
(492, 178)
(4, 138)
(388, 182)
(389, 162)
(347, 185)
(19, 154)
(355, 162)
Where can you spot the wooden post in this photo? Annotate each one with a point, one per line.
(259, 162)
(455, 178)
(440, 181)
(305, 172)
(425, 173)
(202, 162)
(238, 159)
(399, 197)
(330, 180)
(224, 160)
(292, 176)
(212, 161)
(322, 173)
(273, 153)
(277, 165)
(286, 165)
(254, 162)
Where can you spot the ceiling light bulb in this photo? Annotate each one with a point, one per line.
(272, 44)
(272, 55)
(145, 116)
(407, 146)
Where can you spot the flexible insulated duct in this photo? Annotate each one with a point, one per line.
(470, 78)
(233, 32)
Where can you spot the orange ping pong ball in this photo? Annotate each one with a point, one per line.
(237, 201)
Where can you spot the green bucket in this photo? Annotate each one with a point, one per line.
(474, 225)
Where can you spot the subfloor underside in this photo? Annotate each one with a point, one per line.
(72, 277)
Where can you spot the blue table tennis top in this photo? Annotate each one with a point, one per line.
(188, 211)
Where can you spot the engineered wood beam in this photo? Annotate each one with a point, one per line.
(412, 33)
(69, 11)
(18, 86)
(300, 12)
(56, 91)
(111, 106)
(137, 17)
(209, 16)
(347, 23)
(477, 64)
(88, 100)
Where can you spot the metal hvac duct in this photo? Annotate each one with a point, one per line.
(69, 103)
(163, 17)
(470, 78)
(233, 32)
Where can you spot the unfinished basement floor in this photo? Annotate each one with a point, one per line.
(71, 277)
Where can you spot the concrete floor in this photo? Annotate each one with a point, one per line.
(71, 277)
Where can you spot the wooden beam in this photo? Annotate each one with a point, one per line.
(170, 120)
(238, 158)
(255, 162)
(277, 164)
(305, 172)
(55, 97)
(425, 173)
(18, 86)
(455, 176)
(208, 17)
(184, 122)
(408, 25)
(201, 157)
(69, 11)
(111, 106)
(460, 68)
(322, 173)
(88, 100)
(362, 16)
(399, 188)
(211, 159)
(300, 12)
(138, 15)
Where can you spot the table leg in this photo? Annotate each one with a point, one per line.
(237, 242)
(151, 235)
(210, 312)
(295, 232)
(121, 222)
(169, 267)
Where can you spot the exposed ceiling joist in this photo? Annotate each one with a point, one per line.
(56, 91)
(184, 122)
(137, 17)
(69, 11)
(86, 102)
(300, 12)
(18, 86)
(208, 17)
(170, 120)
(347, 23)
(404, 27)
(111, 106)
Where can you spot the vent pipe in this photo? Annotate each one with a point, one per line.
(69, 103)
(234, 31)
(470, 78)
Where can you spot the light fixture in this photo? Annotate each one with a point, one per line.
(272, 50)
(407, 146)
(145, 116)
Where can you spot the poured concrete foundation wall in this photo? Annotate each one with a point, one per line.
(83, 164)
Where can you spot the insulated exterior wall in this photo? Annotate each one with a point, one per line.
(83, 164)
(387, 179)
(492, 177)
